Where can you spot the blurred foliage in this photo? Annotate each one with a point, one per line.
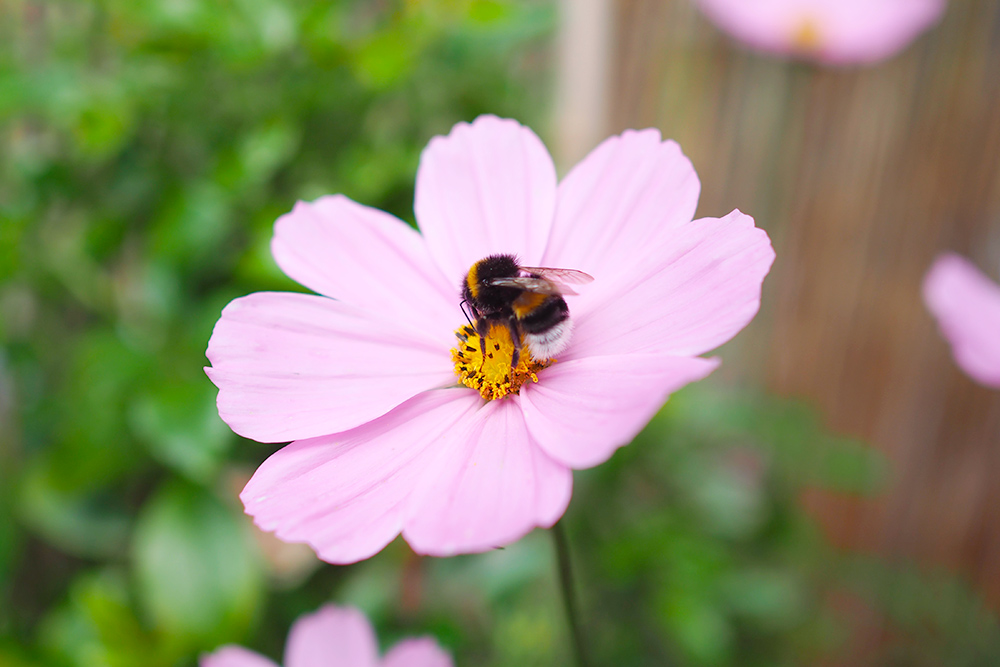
(704, 556)
(146, 148)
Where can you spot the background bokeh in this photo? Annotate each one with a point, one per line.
(826, 498)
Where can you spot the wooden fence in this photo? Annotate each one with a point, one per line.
(861, 176)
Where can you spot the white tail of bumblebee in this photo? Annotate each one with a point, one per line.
(548, 343)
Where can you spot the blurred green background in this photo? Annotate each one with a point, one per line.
(146, 148)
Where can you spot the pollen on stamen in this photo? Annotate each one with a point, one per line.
(491, 374)
(807, 37)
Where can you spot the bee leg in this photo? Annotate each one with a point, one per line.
(482, 330)
(465, 312)
(515, 339)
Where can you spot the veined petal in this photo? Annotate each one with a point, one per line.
(486, 188)
(697, 287)
(344, 494)
(234, 656)
(366, 258)
(627, 191)
(582, 410)
(332, 637)
(488, 485)
(421, 652)
(967, 306)
(291, 366)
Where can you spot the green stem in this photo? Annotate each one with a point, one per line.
(569, 593)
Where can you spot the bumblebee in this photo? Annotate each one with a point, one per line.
(528, 300)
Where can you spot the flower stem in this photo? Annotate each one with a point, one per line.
(568, 592)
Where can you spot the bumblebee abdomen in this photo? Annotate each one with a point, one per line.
(547, 328)
(527, 302)
(547, 313)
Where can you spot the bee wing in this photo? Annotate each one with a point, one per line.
(560, 277)
(565, 276)
(530, 284)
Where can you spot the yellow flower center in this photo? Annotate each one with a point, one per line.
(491, 374)
(807, 37)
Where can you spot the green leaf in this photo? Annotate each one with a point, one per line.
(96, 626)
(180, 426)
(12, 656)
(193, 224)
(699, 627)
(773, 598)
(388, 58)
(80, 523)
(198, 574)
(10, 535)
(90, 449)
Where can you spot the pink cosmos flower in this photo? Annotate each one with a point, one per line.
(335, 637)
(387, 440)
(967, 306)
(834, 32)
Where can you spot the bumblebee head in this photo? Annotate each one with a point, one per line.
(477, 290)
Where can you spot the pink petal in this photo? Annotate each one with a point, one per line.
(345, 494)
(294, 366)
(332, 637)
(423, 652)
(865, 32)
(486, 188)
(582, 410)
(627, 191)
(697, 287)
(848, 31)
(967, 306)
(488, 486)
(769, 25)
(366, 258)
(234, 656)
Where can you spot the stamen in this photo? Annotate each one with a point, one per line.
(491, 375)
(807, 37)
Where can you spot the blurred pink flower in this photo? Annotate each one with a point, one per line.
(967, 306)
(835, 32)
(386, 439)
(335, 637)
